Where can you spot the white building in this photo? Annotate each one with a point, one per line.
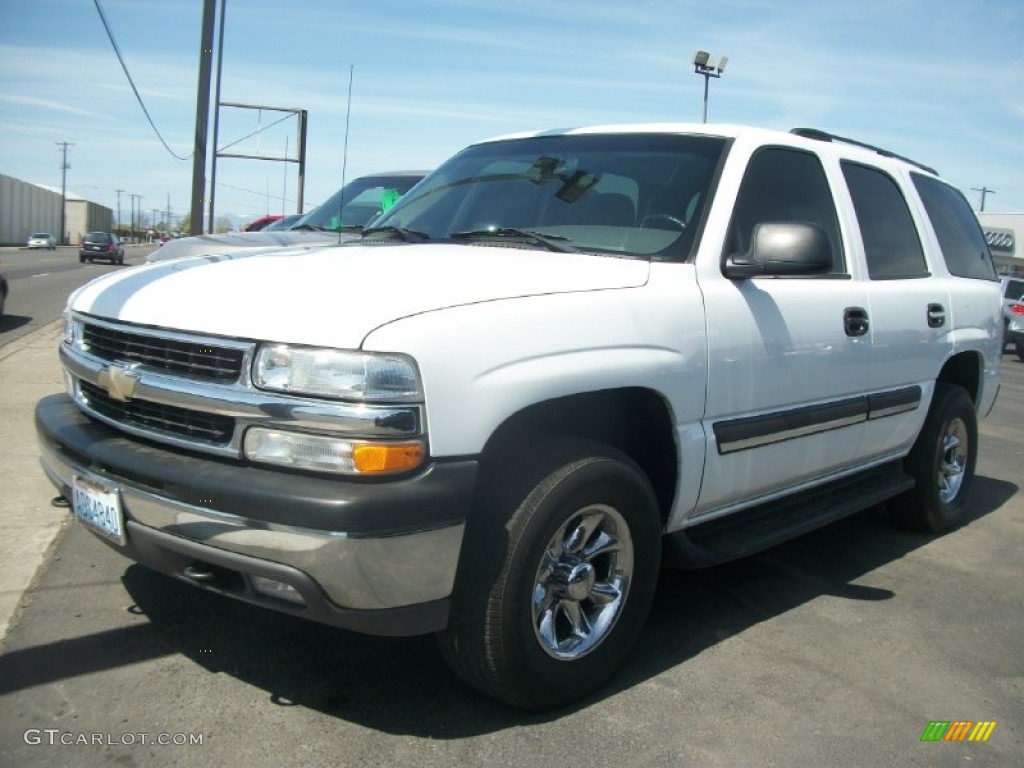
(1005, 235)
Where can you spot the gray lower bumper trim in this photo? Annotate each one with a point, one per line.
(352, 574)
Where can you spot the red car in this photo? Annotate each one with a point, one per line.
(260, 223)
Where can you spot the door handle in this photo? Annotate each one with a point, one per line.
(936, 315)
(855, 321)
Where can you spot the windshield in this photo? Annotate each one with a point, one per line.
(626, 194)
(358, 202)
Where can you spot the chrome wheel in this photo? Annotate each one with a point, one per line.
(582, 582)
(954, 460)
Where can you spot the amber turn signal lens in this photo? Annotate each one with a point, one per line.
(386, 457)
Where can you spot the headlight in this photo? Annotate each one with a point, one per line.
(72, 328)
(336, 373)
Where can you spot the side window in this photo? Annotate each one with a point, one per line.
(784, 185)
(960, 237)
(891, 245)
(1014, 290)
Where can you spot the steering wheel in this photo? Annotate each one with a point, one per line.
(663, 217)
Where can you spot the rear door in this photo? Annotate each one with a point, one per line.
(909, 308)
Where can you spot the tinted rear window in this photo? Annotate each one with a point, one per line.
(98, 237)
(960, 237)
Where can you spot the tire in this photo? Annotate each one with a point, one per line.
(571, 541)
(81, 259)
(1020, 351)
(942, 462)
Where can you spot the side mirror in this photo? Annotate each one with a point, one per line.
(782, 249)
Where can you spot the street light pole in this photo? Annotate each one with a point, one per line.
(705, 64)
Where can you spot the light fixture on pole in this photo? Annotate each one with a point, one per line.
(705, 64)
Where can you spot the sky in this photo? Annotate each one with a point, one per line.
(940, 81)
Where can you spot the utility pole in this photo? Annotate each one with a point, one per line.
(119, 191)
(984, 191)
(134, 198)
(62, 239)
(216, 114)
(202, 116)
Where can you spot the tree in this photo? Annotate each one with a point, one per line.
(223, 224)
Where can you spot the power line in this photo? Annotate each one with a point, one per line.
(254, 192)
(131, 82)
(258, 130)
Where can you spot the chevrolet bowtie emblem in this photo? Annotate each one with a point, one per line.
(119, 382)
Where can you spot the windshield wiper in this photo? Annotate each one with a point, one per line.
(551, 242)
(309, 227)
(407, 235)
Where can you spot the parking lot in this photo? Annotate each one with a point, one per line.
(836, 649)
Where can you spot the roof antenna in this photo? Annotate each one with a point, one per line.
(344, 154)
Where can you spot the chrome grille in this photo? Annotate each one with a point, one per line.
(222, 364)
(165, 419)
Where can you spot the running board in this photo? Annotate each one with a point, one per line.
(758, 528)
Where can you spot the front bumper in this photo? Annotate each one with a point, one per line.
(374, 557)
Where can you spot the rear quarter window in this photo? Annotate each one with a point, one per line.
(960, 237)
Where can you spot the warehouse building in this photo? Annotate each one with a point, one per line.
(29, 208)
(25, 209)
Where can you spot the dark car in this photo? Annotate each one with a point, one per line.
(101, 245)
(3, 294)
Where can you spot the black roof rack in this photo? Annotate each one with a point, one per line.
(814, 133)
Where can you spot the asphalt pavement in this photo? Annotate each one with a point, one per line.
(837, 649)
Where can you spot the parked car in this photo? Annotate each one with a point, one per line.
(341, 217)
(41, 240)
(560, 360)
(260, 224)
(284, 223)
(3, 294)
(101, 245)
(1013, 313)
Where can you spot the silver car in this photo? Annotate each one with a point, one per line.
(341, 217)
(1013, 313)
(41, 240)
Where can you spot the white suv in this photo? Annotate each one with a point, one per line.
(560, 360)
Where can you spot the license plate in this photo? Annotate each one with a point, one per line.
(99, 507)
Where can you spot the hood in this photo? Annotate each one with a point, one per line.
(334, 296)
(229, 242)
